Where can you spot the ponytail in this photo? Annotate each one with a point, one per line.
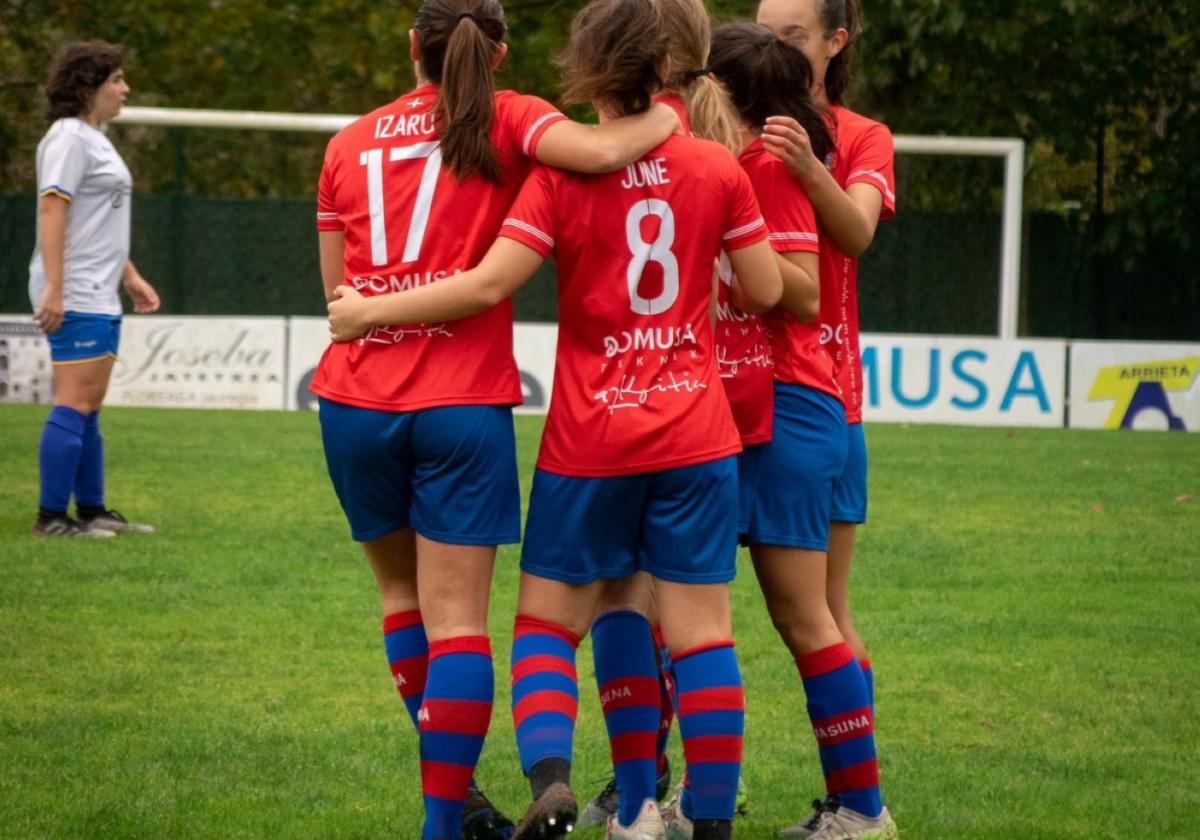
(835, 15)
(711, 112)
(458, 40)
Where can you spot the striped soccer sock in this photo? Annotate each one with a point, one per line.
(712, 719)
(869, 677)
(840, 710)
(627, 678)
(453, 721)
(408, 657)
(58, 456)
(89, 475)
(545, 690)
(666, 699)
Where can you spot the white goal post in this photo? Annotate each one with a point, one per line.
(1011, 149)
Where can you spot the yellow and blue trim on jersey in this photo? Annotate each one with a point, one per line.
(55, 189)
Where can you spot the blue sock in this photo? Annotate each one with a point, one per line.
(89, 476)
(844, 725)
(712, 720)
(627, 677)
(453, 721)
(869, 676)
(408, 657)
(58, 456)
(545, 690)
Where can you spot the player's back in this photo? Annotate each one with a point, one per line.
(407, 221)
(635, 252)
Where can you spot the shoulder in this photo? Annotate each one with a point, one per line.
(67, 132)
(853, 128)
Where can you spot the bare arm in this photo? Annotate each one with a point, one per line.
(608, 146)
(52, 237)
(801, 289)
(756, 274)
(331, 247)
(850, 216)
(504, 269)
(145, 298)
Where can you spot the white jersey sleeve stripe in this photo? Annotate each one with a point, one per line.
(533, 129)
(744, 229)
(871, 173)
(793, 236)
(531, 230)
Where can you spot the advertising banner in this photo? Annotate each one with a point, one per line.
(25, 375)
(963, 381)
(196, 362)
(1135, 386)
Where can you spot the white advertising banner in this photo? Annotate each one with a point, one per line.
(197, 362)
(963, 381)
(533, 347)
(25, 373)
(1135, 386)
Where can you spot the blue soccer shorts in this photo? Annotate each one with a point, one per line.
(850, 491)
(85, 337)
(449, 473)
(797, 470)
(678, 524)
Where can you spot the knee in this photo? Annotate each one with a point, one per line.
(803, 632)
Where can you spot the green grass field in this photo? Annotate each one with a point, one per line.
(1031, 599)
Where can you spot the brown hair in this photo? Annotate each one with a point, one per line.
(835, 15)
(689, 31)
(766, 76)
(76, 74)
(615, 56)
(458, 40)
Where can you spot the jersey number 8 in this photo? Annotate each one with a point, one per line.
(658, 251)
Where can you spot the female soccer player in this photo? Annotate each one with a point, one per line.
(416, 421)
(851, 191)
(80, 260)
(636, 459)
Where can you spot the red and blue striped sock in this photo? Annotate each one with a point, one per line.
(840, 710)
(627, 677)
(453, 721)
(408, 657)
(712, 720)
(666, 699)
(545, 690)
(869, 676)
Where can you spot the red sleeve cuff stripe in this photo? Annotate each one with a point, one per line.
(634, 746)
(540, 664)
(677, 657)
(720, 699)
(526, 228)
(544, 701)
(460, 644)
(865, 774)
(527, 624)
(400, 620)
(706, 748)
(458, 717)
(445, 780)
(535, 132)
(823, 661)
(843, 727)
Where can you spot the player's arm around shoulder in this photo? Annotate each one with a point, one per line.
(608, 146)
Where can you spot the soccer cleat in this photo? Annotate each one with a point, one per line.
(679, 827)
(647, 826)
(110, 520)
(481, 820)
(551, 815)
(812, 822)
(845, 824)
(65, 526)
(604, 804)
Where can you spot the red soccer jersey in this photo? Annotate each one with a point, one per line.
(409, 221)
(789, 345)
(636, 387)
(863, 155)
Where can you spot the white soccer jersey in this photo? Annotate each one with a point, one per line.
(78, 163)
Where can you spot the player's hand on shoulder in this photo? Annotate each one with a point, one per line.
(49, 313)
(787, 140)
(347, 314)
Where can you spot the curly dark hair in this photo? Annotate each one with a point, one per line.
(76, 74)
